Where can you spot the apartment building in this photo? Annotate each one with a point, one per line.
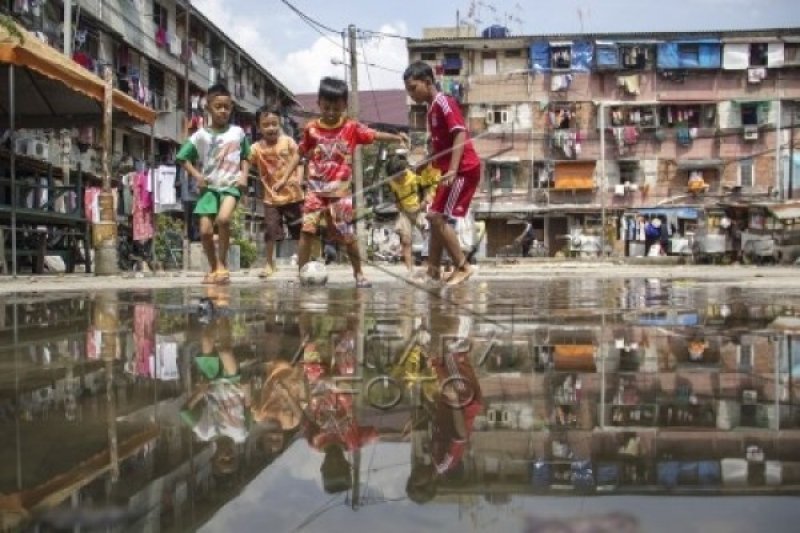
(576, 129)
(152, 47)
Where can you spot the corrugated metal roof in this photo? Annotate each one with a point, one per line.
(387, 107)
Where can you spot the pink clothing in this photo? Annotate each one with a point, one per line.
(142, 209)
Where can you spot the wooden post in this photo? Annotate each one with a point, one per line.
(105, 232)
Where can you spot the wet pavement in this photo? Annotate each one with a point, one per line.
(581, 404)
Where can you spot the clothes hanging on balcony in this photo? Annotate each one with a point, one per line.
(161, 37)
(756, 75)
(683, 136)
(629, 84)
(560, 82)
(142, 208)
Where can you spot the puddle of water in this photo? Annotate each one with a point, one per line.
(571, 404)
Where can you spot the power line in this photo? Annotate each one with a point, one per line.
(369, 80)
(308, 19)
(315, 25)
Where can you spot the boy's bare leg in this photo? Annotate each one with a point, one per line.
(207, 238)
(435, 246)
(270, 246)
(355, 260)
(405, 242)
(304, 249)
(461, 268)
(226, 210)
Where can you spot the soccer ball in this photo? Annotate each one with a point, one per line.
(314, 273)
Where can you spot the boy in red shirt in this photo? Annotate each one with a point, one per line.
(328, 144)
(454, 155)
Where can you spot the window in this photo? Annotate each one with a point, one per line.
(749, 114)
(746, 357)
(563, 117)
(561, 57)
(427, 56)
(452, 64)
(791, 54)
(689, 54)
(513, 53)
(160, 16)
(746, 173)
(633, 57)
(498, 115)
(489, 63)
(501, 177)
(758, 55)
(682, 116)
(628, 172)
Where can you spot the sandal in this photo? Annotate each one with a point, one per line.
(209, 279)
(222, 277)
(460, 276)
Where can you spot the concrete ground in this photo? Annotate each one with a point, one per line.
(731, 275)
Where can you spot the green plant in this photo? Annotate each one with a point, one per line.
(247, 248)
(168, 231)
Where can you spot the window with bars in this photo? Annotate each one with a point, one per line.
(160, 16)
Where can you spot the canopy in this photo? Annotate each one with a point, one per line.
(41, 100)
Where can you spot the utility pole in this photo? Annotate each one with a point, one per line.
(105, 232)
(66, 140)
(602, 179)
(358, 172)
(187, 109)
(791, 150)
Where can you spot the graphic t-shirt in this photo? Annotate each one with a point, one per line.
(330, 155)
(271, 160)
(444, 123)
(218, 153)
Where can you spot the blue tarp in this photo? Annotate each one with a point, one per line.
(607, 55)
(681, 319)
(582, 55)
(540, 57)
(676, 54)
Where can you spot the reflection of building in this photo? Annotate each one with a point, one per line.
(639, 401)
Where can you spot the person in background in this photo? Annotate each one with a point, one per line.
(412, 195)
(283, 197)
(216, 158)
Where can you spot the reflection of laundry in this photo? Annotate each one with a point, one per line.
(560, 82)
(164, 365)
(630, 84)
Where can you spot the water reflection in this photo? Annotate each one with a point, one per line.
(225, 407)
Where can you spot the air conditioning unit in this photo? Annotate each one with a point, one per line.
(750, 133)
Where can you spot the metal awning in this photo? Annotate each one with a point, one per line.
(688, 213)
(785, 211)
(697, 164)
(51, 90)
(508, 159)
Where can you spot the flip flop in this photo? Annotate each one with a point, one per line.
(222, 277)
(460, 277)
(209, 279)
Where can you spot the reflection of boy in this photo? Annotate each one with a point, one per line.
(332, 426)
(218, 410)
(457, 402)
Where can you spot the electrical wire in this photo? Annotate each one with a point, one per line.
(317, 26)
(369, 80)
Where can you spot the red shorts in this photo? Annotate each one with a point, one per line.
(453, 200)
(332, 215)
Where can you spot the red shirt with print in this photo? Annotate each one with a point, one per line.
(444, 123)
(330, 155)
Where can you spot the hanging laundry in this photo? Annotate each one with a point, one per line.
(630, 83)
(560, 82)
(683, 137)
(165, 186)
(630, 135)
(161, 37)
(756, 75)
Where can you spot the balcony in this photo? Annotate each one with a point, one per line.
(139, 31)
